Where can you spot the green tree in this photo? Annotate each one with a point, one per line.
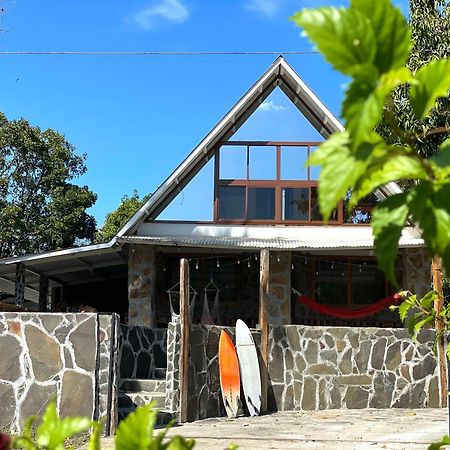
(40, 209)
(429, 23)
(115, 220)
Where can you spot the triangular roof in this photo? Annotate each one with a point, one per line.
(280, 74)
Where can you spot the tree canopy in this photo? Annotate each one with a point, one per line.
(115, 220)
(40, 208)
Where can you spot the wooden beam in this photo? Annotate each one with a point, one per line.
(185, 328)
(263, 326)
(439, 325)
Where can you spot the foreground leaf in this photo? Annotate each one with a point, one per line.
(433, 81)
(344, 36)
(388, 220)
(136, 431)
(391, 32)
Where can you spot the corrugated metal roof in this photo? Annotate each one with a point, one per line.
(276, 243)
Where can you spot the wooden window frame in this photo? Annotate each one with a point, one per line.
(351, 265)
(278, 184)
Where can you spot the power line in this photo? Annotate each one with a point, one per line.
(154, 53)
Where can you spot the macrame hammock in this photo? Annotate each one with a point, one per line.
(174, 293)
(210, 317)
(348, 313)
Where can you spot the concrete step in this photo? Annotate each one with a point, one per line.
(140, 384)
(130, 400)
(160, 373)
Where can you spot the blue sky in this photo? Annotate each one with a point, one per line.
(137, 117)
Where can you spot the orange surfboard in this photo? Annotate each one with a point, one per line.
(230, 383)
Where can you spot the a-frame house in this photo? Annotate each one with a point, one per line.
(319, 274)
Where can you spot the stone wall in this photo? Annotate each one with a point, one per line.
(173, 368)
(279, 301)
(416, 275)
(69, 356)
(141, 285)
(328, 368)
(142, 350)
(324, 368)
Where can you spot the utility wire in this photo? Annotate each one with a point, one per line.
(153, 53)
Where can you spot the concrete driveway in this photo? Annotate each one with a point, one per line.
(392, 429)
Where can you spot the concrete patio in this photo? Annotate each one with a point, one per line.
(393, 429)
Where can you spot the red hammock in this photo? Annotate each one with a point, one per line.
(348, 313)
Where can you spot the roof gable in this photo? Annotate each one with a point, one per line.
(280, 74)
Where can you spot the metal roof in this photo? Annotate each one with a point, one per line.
(275, 243)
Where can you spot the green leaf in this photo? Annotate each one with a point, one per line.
(341, 167)
(52, 432)
(180, 443)
(391, 32)
(430, 207)
(437, 445)
(364, 100)
(432, 82)
(94, 440)
(344, 36)
(441, 161)
(388, 220)
(429, 320)
(403, 309)
(427, 301)
(389, 167)
(411, 327)
(136, 431)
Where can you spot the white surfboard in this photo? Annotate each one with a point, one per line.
(249, 368)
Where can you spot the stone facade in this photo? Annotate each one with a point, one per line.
(337, 367)
(279, 302)
(323, 368)
(63, 355)
(141, 285)
(142, 350)
(416, 275)
(173, 368)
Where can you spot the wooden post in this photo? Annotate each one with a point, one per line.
(184, 347)
(20, 284)
(263, 299)
(439, 325)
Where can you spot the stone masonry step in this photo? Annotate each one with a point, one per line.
(133, 399)
(139, 385)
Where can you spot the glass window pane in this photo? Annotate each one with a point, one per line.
(233, 162)
(331, 282)
(295, 204)
(314, 171)
(261, 203)
(368, 283)
(263, 163)
(231, 202)
(293, 163)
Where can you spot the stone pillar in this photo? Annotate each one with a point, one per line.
(20, 284)
(141, 285)
(416, 276)
(279, 304)
(43, 293)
